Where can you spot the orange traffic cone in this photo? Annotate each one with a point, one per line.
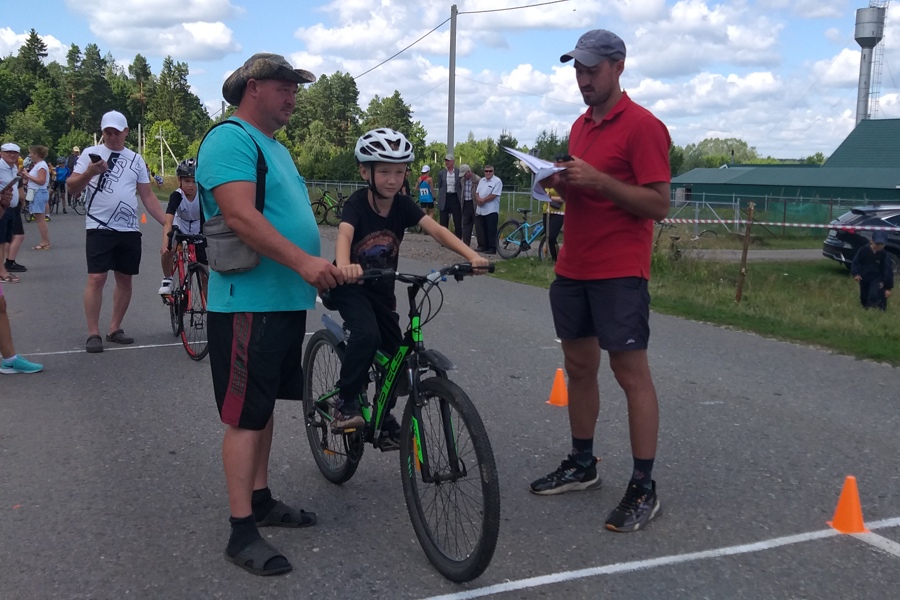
(143, 217)
(848, 517)
(559, 396)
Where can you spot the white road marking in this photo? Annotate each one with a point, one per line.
(882, 543)
(112, 349)
(637, 565)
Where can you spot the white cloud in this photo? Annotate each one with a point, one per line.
(842, 71)
(184, 29)
(809, 9)
(10, 42)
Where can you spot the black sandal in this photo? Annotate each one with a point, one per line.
(254, 557)
(283, 515)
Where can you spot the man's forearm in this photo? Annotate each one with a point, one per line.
(76, 183)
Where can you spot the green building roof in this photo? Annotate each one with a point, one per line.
(873, 143)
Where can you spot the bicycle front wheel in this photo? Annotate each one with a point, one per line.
(336, 454)
(509, 239)
(450, 481)
(333, 216)
(193, 329)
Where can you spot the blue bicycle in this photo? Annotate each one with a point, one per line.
(514, 236)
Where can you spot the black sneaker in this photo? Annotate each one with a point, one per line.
(347, 415)
(635, 510)
(569, 477)
(390, 434)
(14, 267)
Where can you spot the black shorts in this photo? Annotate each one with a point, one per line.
(616, 311)
(118, 251)
(426, 204)
(255, 358)
(6, 226)
(18, 227)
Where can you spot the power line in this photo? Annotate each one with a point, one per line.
(475, 12)
(503, 87)
(405, 49)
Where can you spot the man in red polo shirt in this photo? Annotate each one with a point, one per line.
(616, 184)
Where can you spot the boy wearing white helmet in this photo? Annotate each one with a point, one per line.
(373, 222)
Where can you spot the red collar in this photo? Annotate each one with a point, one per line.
(620, 106)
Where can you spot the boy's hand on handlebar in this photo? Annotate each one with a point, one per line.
(351, 272)
(480, 265)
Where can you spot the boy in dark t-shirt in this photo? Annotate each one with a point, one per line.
(373, 223)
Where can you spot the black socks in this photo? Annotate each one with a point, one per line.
(643, 469)
(243, 533)
(583, 451)
(262, 502)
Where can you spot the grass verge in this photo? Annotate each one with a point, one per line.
(811, 302)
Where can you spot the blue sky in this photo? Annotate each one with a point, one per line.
(779, 74)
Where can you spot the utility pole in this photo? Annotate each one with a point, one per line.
(451, 100)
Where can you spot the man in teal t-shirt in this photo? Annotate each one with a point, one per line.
(257, 319)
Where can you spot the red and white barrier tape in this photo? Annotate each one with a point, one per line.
(776, 224)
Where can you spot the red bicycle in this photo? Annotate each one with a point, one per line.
(187, 302)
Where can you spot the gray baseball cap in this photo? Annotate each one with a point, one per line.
(262, 66)
(594, 46)
(879, 237)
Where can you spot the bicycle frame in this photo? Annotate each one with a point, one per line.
(413, 358)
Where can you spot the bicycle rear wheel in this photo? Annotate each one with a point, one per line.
(456, 514)
(193, 322)
(319, 208)
(509, 239)
(78, 204)
(175, 313)
(336, 454)
(333, 215)
(27, 217)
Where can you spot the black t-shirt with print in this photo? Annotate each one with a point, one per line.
(377, 238)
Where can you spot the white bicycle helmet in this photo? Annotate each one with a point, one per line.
(384, 145)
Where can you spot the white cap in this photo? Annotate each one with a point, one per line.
(10, 147)
(76, 149)
(426, 168)
(114, 119)
(448, 157)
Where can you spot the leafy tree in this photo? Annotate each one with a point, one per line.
(676, 160)
(31, 55)
(549, 145)
(173, 100)
(172, 139)
(27, 130)
(94, 96)
(49, 107)
(334, 102)
(73, 137)
(15, 93)
(816, 159)
(506, 167)
(715, 152)
(143, 85)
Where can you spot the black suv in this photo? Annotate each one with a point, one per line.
(841, 244)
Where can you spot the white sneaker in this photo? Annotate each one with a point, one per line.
(165, 287)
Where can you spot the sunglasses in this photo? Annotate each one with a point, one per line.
(488, 170)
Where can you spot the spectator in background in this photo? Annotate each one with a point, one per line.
(62, 173)
(448, 196)
(13, 234)
(487, 208)
(468, 184)
(404, 189)
(426, 191)
(554, 215)
(72, 159)
(38, 178)
(873, 269)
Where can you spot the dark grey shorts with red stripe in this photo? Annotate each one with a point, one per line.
(255, 358)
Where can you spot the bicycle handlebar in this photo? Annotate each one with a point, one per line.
(458, 271)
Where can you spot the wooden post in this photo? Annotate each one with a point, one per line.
(743, 275)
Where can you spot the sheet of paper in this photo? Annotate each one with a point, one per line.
(541, 168)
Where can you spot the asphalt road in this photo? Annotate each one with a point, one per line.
(112, 484)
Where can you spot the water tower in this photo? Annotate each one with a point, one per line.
(869, 31)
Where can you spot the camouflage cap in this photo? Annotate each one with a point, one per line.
(262, 66)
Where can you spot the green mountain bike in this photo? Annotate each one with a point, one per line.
(328, 210)
(447, 465)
